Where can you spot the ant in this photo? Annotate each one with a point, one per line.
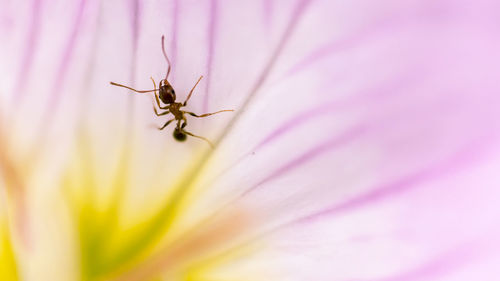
(168, 97)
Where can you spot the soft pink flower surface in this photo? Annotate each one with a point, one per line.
(364, 142)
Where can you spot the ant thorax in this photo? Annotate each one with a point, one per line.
(175, 109)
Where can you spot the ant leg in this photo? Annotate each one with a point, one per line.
(166, 124)
(120, 85)
(200, 137)
(156, 97)
(165, 55)
(160, 114)
(207, 114)
(191, 92)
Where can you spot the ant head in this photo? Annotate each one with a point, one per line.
(167, 93)
(179, 135)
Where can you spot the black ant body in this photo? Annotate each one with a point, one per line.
(168, 97)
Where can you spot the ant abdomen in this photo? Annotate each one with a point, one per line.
(178, 135)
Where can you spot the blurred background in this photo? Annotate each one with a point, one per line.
(363, 145)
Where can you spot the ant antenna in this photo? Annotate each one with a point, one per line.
(123, 86)
(165, 55)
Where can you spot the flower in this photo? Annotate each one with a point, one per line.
(363, 146)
